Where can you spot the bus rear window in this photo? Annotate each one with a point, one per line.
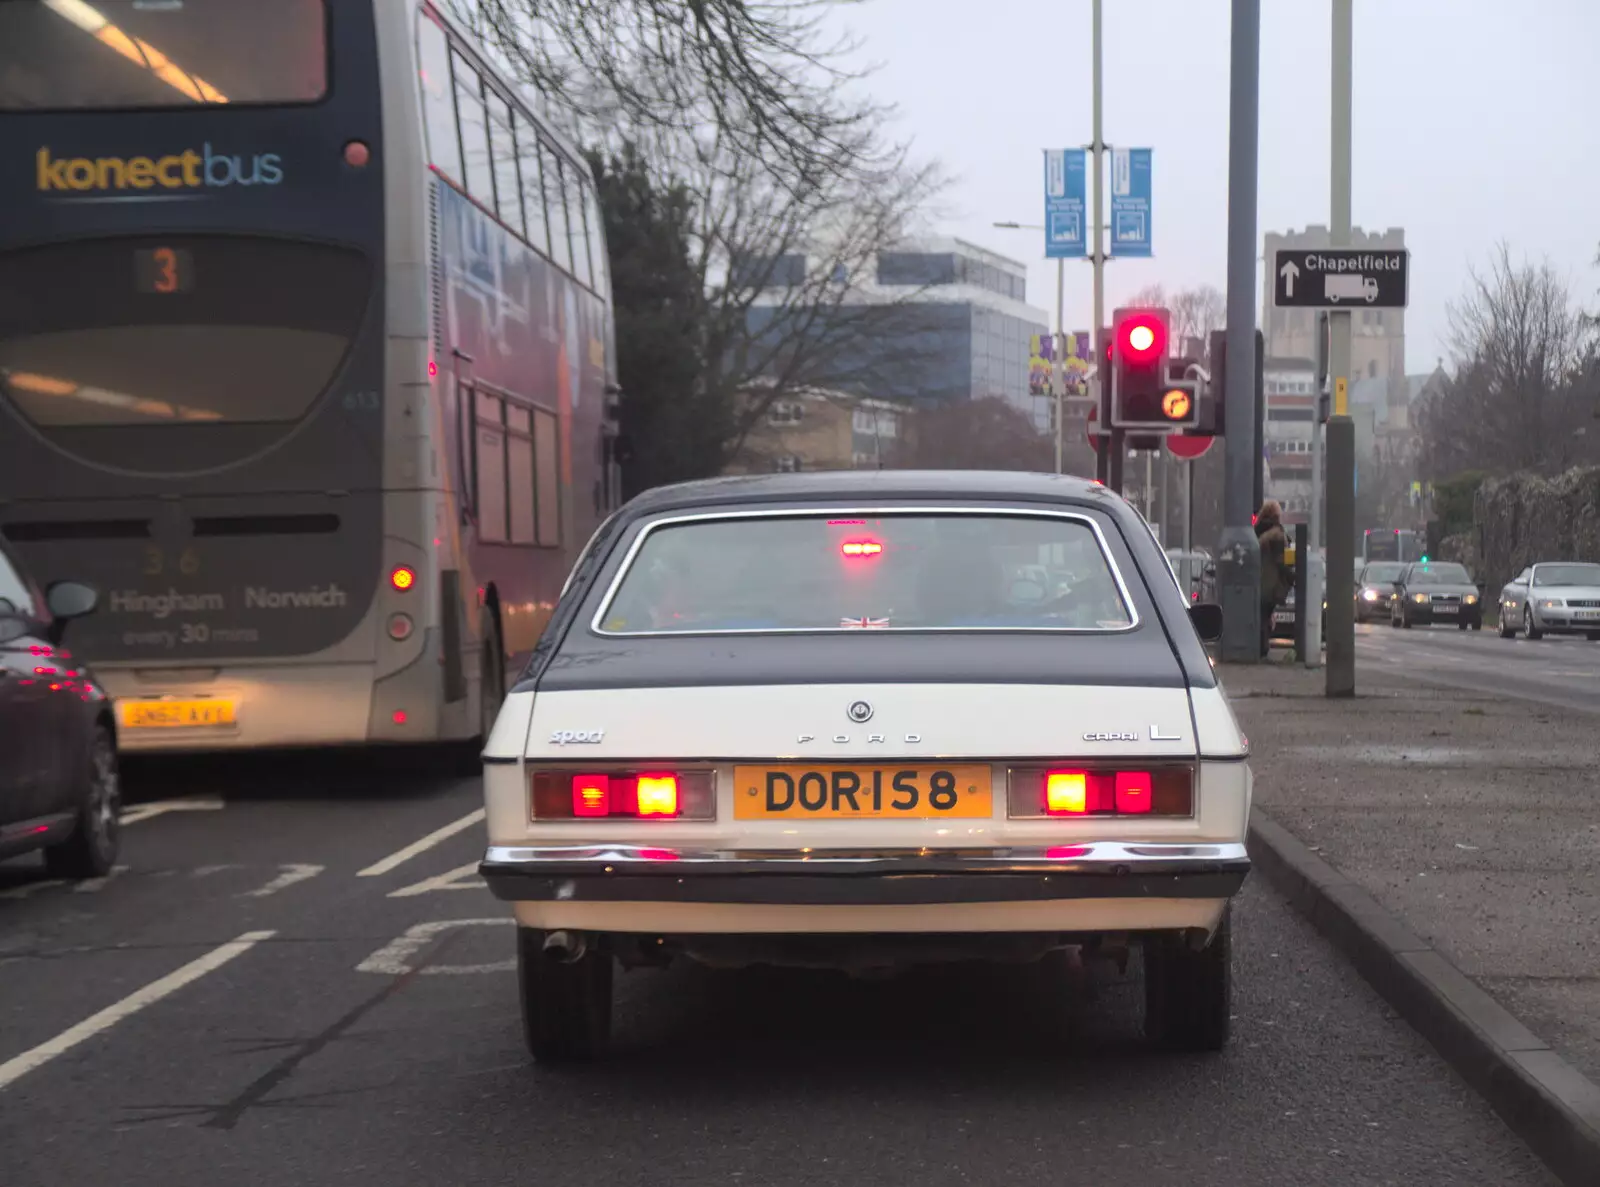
(113, 54)
(192, 328)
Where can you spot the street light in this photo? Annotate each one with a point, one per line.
(1061, 337)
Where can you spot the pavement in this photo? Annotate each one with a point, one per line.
(1459, 790)
(295, 978)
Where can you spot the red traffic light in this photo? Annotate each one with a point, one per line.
(1142, 336)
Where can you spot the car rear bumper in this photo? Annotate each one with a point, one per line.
(1095, 870)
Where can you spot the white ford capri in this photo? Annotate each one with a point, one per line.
(864, 720)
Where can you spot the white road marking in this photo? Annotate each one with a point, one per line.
(207, 871)
(292, 873)
(447, 881)
(92, 885)
(199, 803)
(416, 847)
(18, 1066)
(393, 959)
(29, 889)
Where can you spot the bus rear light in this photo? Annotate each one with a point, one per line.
(647, 794)
(399, 716)
(402, 578)
(357, 154)
(1100, 789)
(400, 627)
(433, 369)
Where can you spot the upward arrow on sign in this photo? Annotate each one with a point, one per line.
(1289, 271)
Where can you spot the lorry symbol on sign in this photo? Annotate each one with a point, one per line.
(1336, 287)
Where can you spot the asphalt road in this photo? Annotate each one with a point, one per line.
(1556, 670)
(242, 1005)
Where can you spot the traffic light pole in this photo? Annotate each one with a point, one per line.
(1238, 553)
(1341, 669)
(1058, 366)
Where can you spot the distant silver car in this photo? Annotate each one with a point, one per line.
(1552, 598)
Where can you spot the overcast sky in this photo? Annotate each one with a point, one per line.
(1473, 121)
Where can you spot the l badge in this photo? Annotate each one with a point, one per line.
(1157, 736)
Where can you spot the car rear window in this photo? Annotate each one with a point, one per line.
(1442, 574)
(912, 571)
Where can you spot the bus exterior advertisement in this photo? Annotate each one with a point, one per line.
(267, 342)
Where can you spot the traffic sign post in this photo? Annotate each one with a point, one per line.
(1336, 277)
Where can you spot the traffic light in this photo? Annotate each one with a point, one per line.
(1149, 391)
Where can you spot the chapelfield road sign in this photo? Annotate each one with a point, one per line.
(1339, 277)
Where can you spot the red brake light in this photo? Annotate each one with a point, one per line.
(402, 578)
(658, 795)
(591, 795)
(861, 547)
(1133, 791)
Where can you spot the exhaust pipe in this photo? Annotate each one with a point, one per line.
(566, 946)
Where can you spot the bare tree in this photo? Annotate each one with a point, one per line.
(1523, 354)
(990, 433)
(1195, 312)
(769, 77)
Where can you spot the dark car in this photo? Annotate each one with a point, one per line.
(1430, 592)
(1375, 589)
(58, 752)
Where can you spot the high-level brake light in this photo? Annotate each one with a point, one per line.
(861, 547)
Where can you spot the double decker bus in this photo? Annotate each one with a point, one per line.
(1389, 544)
(306, 361)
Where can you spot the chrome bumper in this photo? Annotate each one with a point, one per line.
(1092, 870)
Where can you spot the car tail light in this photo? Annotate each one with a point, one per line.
(1133, 793)
(657, 795)
(1100, 790)
(640, 794)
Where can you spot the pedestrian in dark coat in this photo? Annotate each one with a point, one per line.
(1276, 575)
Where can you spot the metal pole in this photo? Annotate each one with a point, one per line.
(1238, 553)
(1315, 571)
(1188, 528)
(1059, 367)
(1107, 471)
(1341, 670)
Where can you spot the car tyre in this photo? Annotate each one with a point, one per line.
(1528, 629)
(1594, 636)
(1463, 625)
(91, 850)
(1188, 993)
(566, 1004)
(1507, 631)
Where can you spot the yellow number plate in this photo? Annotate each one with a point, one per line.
(207, 711)
(861, 793)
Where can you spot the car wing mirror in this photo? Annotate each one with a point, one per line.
(68, 600)
(1207, 620)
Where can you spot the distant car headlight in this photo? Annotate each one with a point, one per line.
(1552, 604)
(1369, 595)
(1420, 599)
(1471, 599)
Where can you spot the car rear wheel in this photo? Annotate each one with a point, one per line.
(566, 999)
(1528, 629)
(91, 850)
(1507, 631)
(1188, 993)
